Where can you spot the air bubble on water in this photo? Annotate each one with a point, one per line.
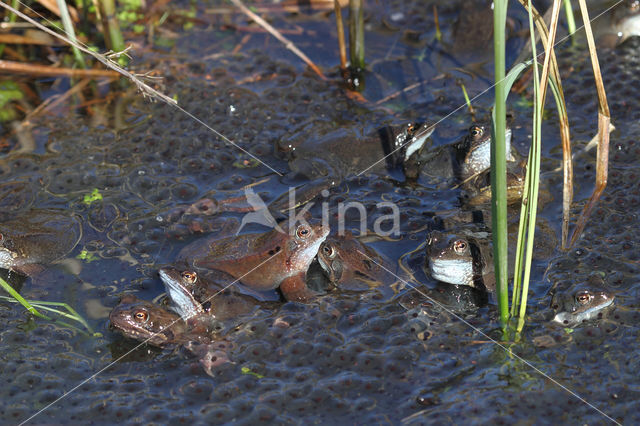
(232, 109)
(159, 218)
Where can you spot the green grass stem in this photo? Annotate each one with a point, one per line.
(67, 24)
(5, 285)
(114, 38)
(356, 33)
(436, 22)
(499, 164)
(571, 21)
(466, 97)
(31, 305)
(12, 18)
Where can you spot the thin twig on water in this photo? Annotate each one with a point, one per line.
(287, 43)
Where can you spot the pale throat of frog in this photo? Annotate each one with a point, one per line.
(6, 258)
(452, 271)
(416, 142)
(479, 159)
(303, 257)
(182, 301)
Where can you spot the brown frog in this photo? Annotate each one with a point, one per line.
(36, 238)
(461, 258)
(275, 259)
(477, 189)
(352, 265)
(145, 321)
(341, 152)
(580, 302)
(152, 324)
(461, 160)
(616, 27)
(192, 294)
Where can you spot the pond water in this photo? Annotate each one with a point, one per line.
(349, 357)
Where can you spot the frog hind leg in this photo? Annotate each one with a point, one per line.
(295, 289)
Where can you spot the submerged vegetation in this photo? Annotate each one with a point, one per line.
(529, 205)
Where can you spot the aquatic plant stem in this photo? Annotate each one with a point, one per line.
(111, 29)
(68, 28)
(571, 21)
(356, 33)
(532, 180)
(436, 23)
(5, 285)
(499, 164)
(565, 137)
(342, 47)
(12, 18)
(604, 121)
(466, 98)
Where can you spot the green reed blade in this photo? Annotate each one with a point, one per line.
(499, 164)
(356, 33)
(571, 22)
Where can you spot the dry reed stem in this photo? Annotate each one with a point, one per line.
(53, 7)
(287, 43)
(47, 70)
(604, 121)
(342, 47)
(565, 136)
(18, 39)
(135, 79)
(551, 37)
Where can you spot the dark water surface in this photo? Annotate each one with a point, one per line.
(349, 357)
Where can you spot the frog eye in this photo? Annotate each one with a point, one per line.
(303, 231)
(459, 246)
(328, 251)
(189, 276)
(583, 297)
(476, 131)
(141, 316)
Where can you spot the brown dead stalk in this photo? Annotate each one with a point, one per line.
(47, 70)
(565, 137)
(604, 121)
